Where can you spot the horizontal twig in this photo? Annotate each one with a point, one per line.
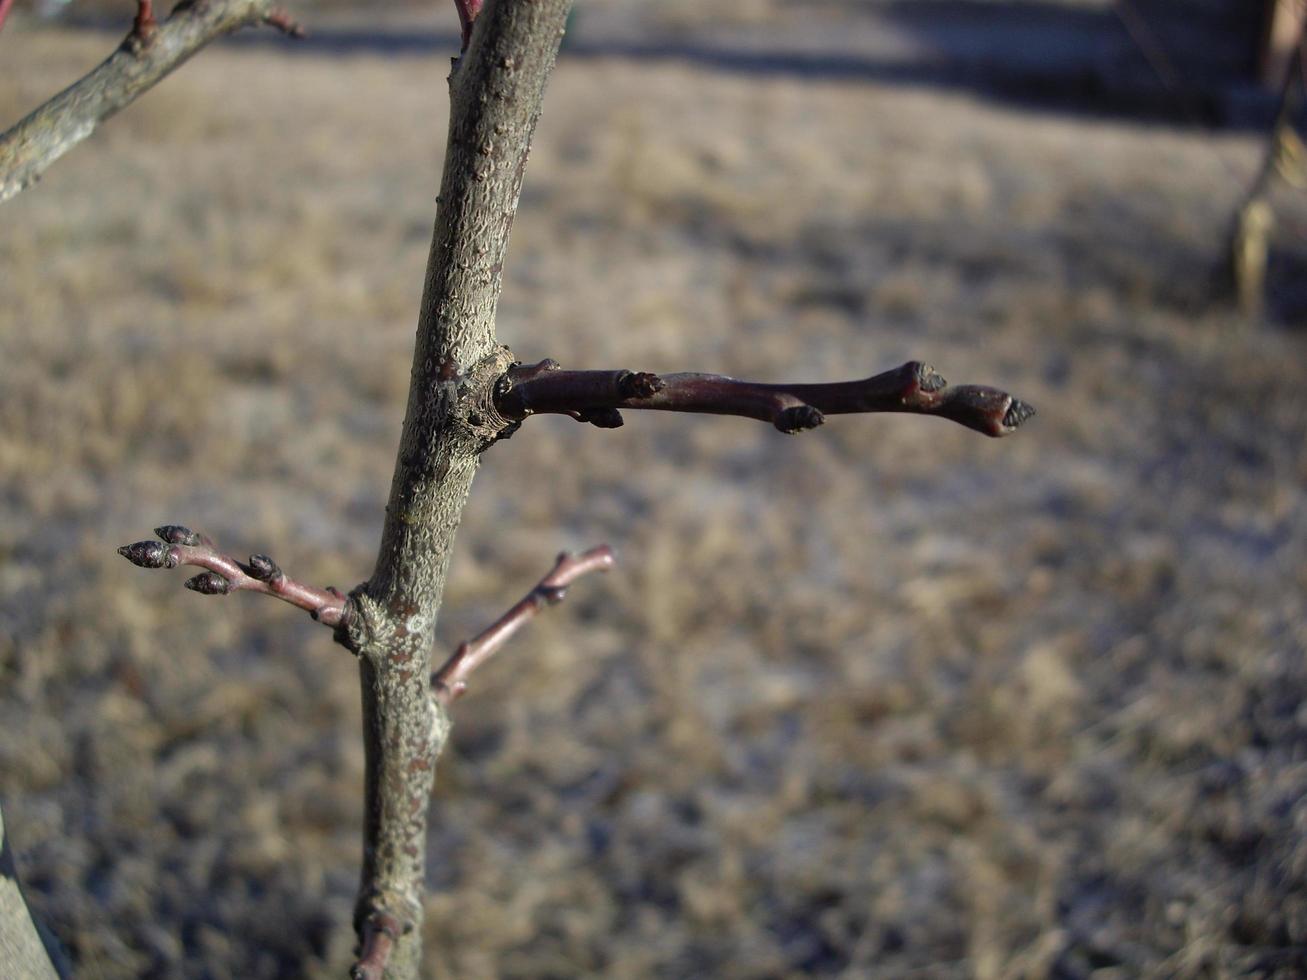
(149, 52)
(597, 397)
(449, 683)
(179, 545)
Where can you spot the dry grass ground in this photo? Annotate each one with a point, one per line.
(884, 700)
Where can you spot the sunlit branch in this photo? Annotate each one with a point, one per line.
(223, 574)
(149, 52)
(597, 397)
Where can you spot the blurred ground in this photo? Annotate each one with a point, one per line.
(884, 700)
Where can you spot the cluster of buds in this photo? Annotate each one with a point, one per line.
(179, 545)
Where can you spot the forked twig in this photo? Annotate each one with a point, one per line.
(449, 683)
(179, 545)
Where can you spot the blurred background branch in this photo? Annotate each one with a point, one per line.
(148, 53)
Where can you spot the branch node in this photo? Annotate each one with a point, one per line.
(264, 569)
(638, 384)
(927, 378)
(798, 418)
(551, 596)
(601, 418)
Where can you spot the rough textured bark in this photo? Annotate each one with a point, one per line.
(496, 89)
(140, 62)
(22, 954)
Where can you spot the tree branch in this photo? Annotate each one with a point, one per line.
(181, 546)
(380, 931)
(148, 53)
(449, 683)
(496, 91)
(597, 396)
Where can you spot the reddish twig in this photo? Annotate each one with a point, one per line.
(182, 546)
(450, 682)
(596, 396)
(281, 19)
(467, 15)
(5, 7)
(379, 934)
(144, 25)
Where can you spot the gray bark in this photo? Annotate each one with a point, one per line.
(496, 89)
(22, 954)
(37, 141)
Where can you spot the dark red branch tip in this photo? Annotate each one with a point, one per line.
(638, 384)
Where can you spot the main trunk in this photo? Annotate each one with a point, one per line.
(496, 89)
